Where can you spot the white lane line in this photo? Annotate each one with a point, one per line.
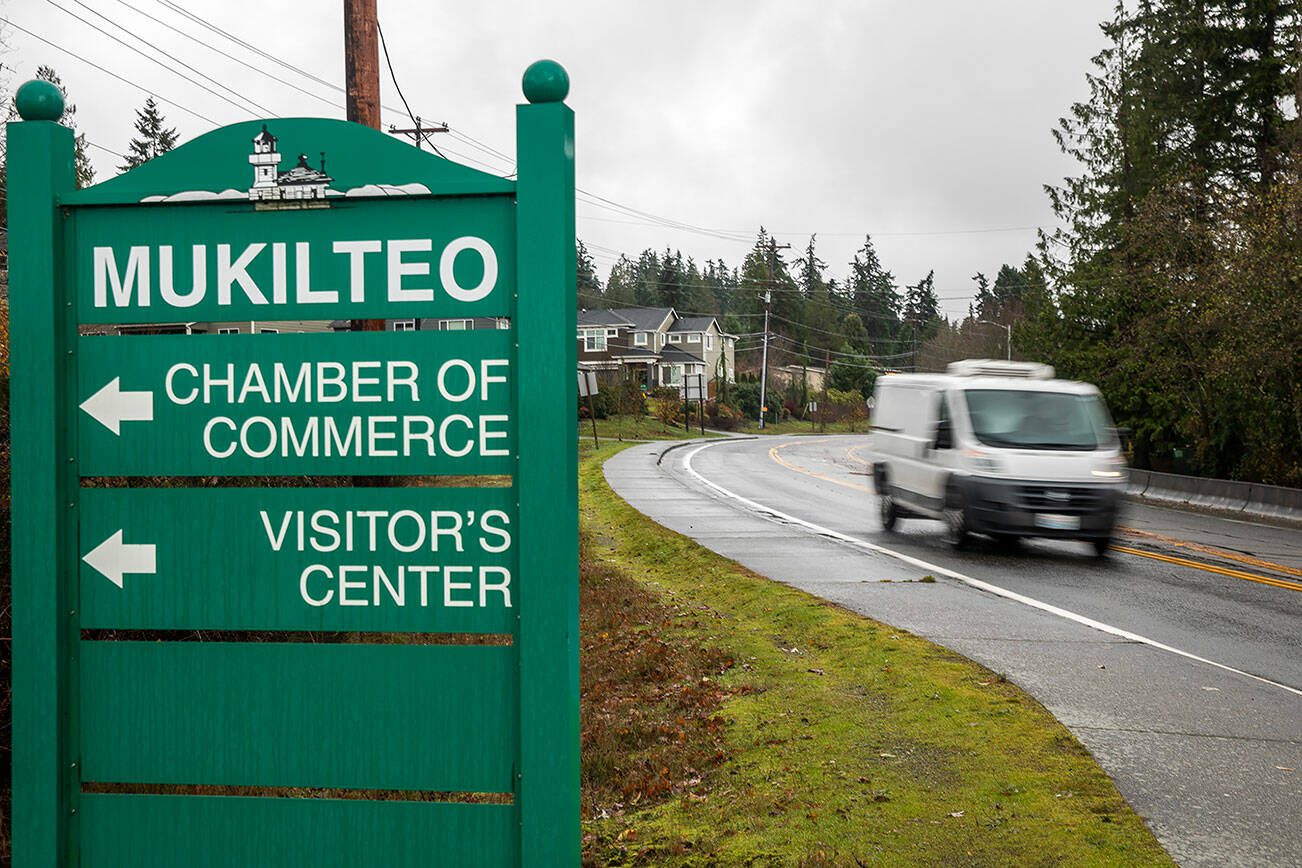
(967, 580)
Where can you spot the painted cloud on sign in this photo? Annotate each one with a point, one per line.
(197, 196)
(386, 190)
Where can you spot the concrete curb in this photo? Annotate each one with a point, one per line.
(1245, 498)
(679, 444)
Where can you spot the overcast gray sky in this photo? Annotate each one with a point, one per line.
(924, 124)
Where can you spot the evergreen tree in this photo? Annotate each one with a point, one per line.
(922, 308)
(621, 285)
(820, 313)
(1183, 145)
(153, 137)
(646, 273)
(984, 301)
(874, 297)
(587, 285)
(84, 171)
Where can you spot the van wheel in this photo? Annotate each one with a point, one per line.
(1100, 546)
(956, 530)
(888, 511)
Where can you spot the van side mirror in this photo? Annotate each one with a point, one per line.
(944, 435)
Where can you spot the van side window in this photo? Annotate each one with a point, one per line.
(944, 432)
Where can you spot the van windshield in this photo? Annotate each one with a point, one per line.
(1026, 419)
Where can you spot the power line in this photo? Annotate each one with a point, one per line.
(158, 62)
(388, 62)
(91, 63)
(229, 56)
(248, 46)
(106, 150)
(171, 57)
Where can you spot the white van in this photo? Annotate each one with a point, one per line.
(999, 448)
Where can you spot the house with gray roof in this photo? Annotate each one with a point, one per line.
(655, 345)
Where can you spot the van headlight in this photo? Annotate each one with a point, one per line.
(1111, 468)
(982, 462)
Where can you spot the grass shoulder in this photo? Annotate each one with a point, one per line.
(796, 426)
(634, 428)
(730, 719)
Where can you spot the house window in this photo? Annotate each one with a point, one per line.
(268, 331)
(455, 325)
(673, 375)
(693, 338)
(675, 339)
(639, 339)
(233, 331)
(594, 340)
(709, 342)
(404, 325)
(612, 333)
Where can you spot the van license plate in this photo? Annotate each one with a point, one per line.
(1052, 521)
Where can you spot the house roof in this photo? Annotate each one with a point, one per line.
(637, 354)
(303, 174)
(603, 317)
(645, 318)
(675, 353)
(693, 324)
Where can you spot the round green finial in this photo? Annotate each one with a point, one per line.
(39, 101)
(546, 81)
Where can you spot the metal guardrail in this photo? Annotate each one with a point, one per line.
(1249, 498)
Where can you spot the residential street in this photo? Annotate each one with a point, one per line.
(1175, 660)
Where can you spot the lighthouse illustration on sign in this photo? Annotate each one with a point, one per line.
(301, 184)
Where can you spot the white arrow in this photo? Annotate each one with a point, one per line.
(111, 406)
(115, 558)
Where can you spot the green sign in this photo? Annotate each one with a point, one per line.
(419, 560)
(193, 654)
(373, 257)
(370, 402)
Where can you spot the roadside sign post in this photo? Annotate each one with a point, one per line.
(153, 751)
(587, 388)
(694, 389)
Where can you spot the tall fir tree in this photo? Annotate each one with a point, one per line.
(153, 136)
(84, 171)
(875, 298)
(587, 284)
(621, 284)
(820, 317)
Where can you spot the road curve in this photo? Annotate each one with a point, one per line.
(1175, 660)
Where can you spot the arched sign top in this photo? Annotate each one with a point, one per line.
(290, 159)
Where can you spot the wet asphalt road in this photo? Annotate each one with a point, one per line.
(1176, 660)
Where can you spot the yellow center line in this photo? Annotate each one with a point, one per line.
(1212, 568)
(1210, 550)
(853, 454)
(773, 453)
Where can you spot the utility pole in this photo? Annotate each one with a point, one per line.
(764, 362)
(1007, 328)
(827, 375)
(362, 104)
(421, 133)
(362, 85)
(768, 298)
